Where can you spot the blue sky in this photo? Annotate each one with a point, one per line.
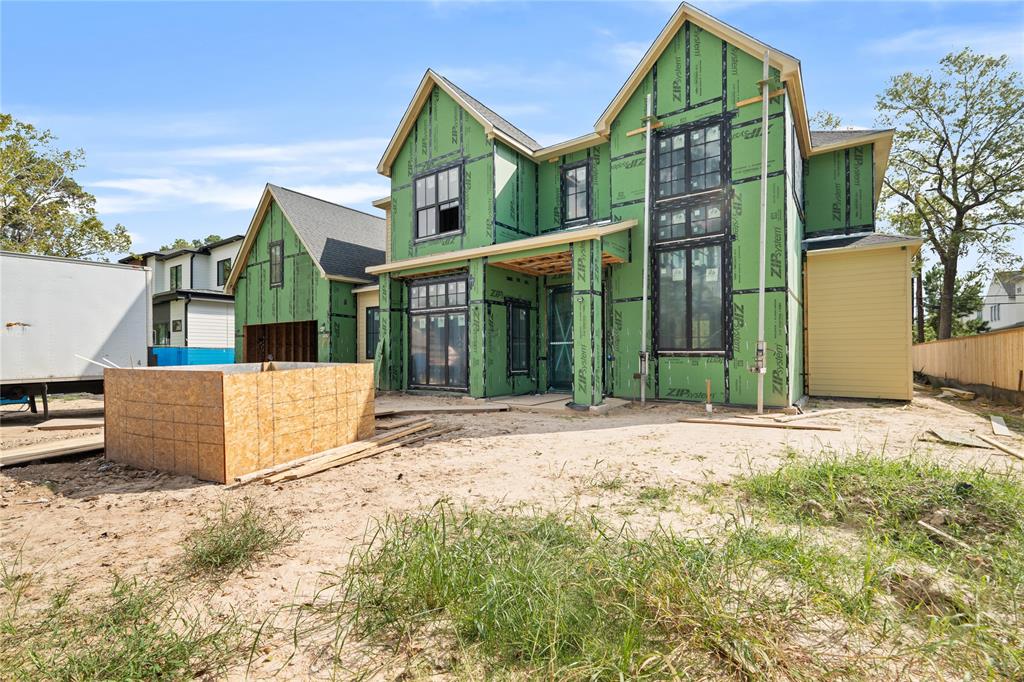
(185, 110)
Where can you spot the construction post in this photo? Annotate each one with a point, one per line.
(759, 365)
(644, 355)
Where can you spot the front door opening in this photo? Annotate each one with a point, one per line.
(438, 334)
(560, 338)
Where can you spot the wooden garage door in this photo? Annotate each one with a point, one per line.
(858, 323)
(284, 341)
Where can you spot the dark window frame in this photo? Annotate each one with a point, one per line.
(279, 244)
(372, 330)
(686, 164)
(513, 305)
(563, 187)
(426, 312)
(688, 241)
(223, 272)
(177, 326)
(174, 273)
(436, 205)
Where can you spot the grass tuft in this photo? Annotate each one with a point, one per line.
(234, 540)
(137, 632)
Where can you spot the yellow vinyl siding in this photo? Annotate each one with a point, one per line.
(858, 323)
(364, 300)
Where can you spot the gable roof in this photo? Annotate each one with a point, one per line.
(342, 241)
(788, 66)
(495, 126)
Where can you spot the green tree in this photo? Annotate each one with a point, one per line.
(958, 162)
(180, 243)
(42, 209)
(825, 120)
(967, 301)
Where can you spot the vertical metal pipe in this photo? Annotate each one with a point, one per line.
(760, 360)
(647, 248)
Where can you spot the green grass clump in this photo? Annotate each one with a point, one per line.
(236, 539)
(571, 599)
(655, 494)
(137, 632)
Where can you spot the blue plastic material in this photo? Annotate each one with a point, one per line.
(174, 355)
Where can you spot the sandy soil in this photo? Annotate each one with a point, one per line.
(79, 520)
(17, 424)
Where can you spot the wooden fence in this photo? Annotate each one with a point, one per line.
(995, 359)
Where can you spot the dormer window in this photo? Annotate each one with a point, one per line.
(437, 204)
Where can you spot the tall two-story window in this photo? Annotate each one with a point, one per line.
(690, 237)
(575, 194)
(437, 204)
(223, 271)
(372, 331)
(277, 264)
(175, 273)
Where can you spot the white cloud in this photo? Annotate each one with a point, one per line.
(993, 40)
(628, 53)
(140, 194)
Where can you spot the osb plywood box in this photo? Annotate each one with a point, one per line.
(217, 422)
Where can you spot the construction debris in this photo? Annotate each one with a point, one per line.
(948, 392)
(808, 415)
(760, 424)
(999, 446)
(999, 426)
(953, 438)
(71, 423)
(388, 425)
(51, 449)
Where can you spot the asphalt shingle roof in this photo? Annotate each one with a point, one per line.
(495, 119)
(821, 138)
(858, 240)
(344, 241)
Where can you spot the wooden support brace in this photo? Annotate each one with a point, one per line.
(755, 100)
(654, 126)
(760, 424)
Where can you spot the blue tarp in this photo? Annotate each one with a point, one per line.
(175, 355)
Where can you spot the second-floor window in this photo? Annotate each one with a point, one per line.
(690, 161)
(437, 204)
(575, 194)
(223, 270)
(175, 277)
(277, 264)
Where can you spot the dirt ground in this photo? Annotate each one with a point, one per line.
(80, 519)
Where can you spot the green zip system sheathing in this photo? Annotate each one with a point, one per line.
(840, 192)
(508, 196)
(304, 295)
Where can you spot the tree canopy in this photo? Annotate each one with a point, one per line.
(43, 210)
(958, 162)
(967, 301)
(180, 243)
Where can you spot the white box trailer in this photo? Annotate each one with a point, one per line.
(62, 320)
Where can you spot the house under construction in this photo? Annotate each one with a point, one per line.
(515, 268)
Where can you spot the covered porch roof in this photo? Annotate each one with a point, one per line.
(532, 255)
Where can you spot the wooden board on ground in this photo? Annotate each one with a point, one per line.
(51, 449)
(953, 438)
(808, 415)
(71, 423)
(948, 392)
(397, 424)
(760, 424)
(1005, 448)
(449, 409)
(999, 426)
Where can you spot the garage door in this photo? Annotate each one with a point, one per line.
(859, 323)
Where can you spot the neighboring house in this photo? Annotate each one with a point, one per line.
(193, 319)
(1003, 305)
(300, 285)
(518, 268)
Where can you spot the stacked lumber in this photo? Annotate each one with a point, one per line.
(408, 434)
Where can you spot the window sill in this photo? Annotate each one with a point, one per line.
(439, 235)
(691, 353)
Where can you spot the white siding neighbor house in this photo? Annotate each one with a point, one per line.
(193, 319)
(1003, 305)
